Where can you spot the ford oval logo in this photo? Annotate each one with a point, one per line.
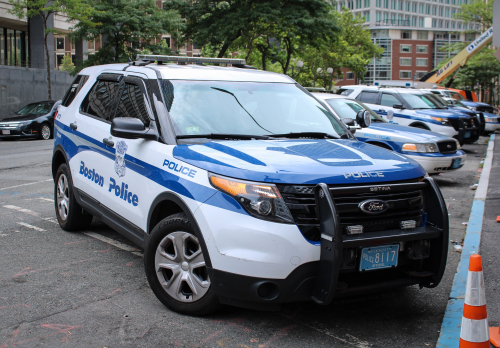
(373, 206)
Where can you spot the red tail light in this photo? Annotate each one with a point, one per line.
(55, 115)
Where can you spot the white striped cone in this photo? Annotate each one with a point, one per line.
(474, 332)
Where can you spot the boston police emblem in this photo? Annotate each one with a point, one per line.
(120, 167)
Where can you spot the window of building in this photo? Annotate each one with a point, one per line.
(405, 61)
(407, 6)
(422, 49)
(60, 43)
(452, 25)
(422, 62)
(406, 34)
(380, 33)
(404, 75)
(470, 36)
(393, 4)
(422, 34)
(400, 5)
(91, 45)
(420, 74)
(349, 76)
(389, 100)
(434, 10)
(434, 23)
(368, 97)
(2, 47)
(405, 48)
(378, 15)
(99, 100)
(367, 3)
(447, 12)
(440, 24)
(428, 9)
(132, 104)
(383, 74)
(421, 8)
(378, 3)
(386, 3)
(414, 7)
(414, 21)
(367, 16)
(420, 23)
(440, 12)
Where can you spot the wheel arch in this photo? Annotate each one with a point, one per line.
(58, 158)
(169, 203)
(380, 144)
(419, 125)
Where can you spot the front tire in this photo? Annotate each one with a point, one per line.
(45, 132)
(70, 215)
(176, 270)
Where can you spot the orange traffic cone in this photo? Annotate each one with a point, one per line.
(495, 336)
(474, 333)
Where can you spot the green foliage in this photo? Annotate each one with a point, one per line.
(67, 64)
(477, 12)
(127, 27)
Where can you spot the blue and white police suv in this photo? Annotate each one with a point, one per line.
(411, 107)
(434, 152)
(492, 121)
(241, 187)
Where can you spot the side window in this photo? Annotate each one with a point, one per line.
(389, 100)
(76, 86)
(99, 100)
(131, 104)
(368, 97)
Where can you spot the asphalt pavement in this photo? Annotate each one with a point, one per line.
(61, 289)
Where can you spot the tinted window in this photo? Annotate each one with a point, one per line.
(368, 97)
(389, 100)
(76, 86)
(131, 104)
(100, 100)
(420, 101)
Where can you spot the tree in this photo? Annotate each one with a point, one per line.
(477, 12)
(45, 9)
(67, 64)
(128, 26)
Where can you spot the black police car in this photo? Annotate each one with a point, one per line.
(35, 120)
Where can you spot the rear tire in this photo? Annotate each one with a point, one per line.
(70, 215)
(176, 270)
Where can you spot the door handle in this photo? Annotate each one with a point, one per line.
(108, 142)
(73, 126)
(381, 110)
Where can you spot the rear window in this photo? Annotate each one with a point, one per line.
(76, 86)
(344, 91)
(368, 97)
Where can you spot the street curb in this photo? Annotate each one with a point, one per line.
(452, 321)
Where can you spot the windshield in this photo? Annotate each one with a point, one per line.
(346, 108)
(456, 96)
(36, 108)
(420, 101)
(250, 108)
(438, 99)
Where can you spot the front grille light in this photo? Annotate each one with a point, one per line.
(355, 229)
(405, 225)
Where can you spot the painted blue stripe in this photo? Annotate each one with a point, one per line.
(422, 119)
(452, 321)
(166, 179)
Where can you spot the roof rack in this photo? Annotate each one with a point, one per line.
(195, 60)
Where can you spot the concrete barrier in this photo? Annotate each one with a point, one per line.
(20, 86)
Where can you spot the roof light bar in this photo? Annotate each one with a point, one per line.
(183, 59)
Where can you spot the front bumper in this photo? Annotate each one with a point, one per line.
(492, 126)
(18, 133)
(439, 163)
(328, 278)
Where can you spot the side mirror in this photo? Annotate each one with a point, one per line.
(349, 122)
(398, 106)
(363, 118)
(131, 128)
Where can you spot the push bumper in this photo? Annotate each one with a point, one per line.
(328, 278)
(468, 135)
(439, 164)
(492, 126)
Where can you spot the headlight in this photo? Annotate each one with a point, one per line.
(489, 119)
(458, 145)
(25, 123)
(443, 120)
(260, 200)
(473, 108)
(420, 148)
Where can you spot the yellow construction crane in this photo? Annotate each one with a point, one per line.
(438, 76)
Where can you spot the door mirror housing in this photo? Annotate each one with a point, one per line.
(348, 122)
(398, 106)
(364, 118)
(131, 128)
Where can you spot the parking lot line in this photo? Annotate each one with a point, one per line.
(46, 199)
(21, 210)
(31, 183)
(114, 243)
(31, 226)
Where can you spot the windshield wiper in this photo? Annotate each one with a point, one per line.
(295, 135)
(223, 136)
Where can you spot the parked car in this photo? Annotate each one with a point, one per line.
(35, 120)
(412, 107)
(473, 105)
(435, 153)
(242, 188)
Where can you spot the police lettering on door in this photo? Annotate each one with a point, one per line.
(122, 192)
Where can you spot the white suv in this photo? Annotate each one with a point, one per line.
(241, 187)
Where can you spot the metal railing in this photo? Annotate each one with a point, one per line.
(393, 23)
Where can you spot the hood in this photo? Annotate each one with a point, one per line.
(300, 161)
(440, 113)
(472, 103)
(20, 118)
(489, 115)
(417, 134)
(462, 110)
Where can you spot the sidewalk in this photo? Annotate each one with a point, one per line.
(489, 248)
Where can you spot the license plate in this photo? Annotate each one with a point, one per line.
(456, 163)
(379, 257)
(467, 134)
(5, 131)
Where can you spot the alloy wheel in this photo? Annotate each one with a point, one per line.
(180, 267)
(63, 197)
(45, 132)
